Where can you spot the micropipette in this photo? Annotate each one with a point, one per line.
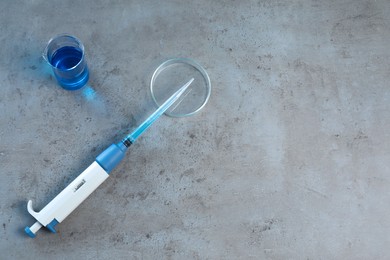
(78, 190)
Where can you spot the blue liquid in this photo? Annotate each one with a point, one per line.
(66, 58)
(70, 73)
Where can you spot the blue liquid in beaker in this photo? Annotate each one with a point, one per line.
(66, 58)
(66, 61)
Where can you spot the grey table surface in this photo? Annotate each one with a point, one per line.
(290, 159)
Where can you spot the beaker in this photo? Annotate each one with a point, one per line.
(65, 54)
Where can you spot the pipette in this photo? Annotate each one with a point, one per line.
(78, 190)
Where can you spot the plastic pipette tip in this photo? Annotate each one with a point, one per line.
(153, 117)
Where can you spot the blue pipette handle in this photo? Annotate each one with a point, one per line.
(112, 156)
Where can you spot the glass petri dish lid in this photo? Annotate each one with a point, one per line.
(173, 74)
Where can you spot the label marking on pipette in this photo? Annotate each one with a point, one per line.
(79, 185)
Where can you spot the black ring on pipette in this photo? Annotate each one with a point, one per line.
(127, 142)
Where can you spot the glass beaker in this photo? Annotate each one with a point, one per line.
(65, 54)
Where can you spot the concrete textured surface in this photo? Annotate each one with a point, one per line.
(290, 159)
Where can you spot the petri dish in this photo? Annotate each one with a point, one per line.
(173, 74)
